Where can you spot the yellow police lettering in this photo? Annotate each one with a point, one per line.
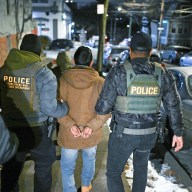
(18, 82)
(10, 79)
(21, 80)
(140, 90)
(5, 78)
(133, 89)
(28, 81)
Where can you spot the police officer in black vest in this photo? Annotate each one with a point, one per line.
(133, 93)
(28, 92)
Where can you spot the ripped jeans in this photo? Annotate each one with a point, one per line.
(119, 150)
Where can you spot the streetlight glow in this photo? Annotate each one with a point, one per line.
(119, 9)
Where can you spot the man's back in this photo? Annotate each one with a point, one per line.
(80, 87)
(81, 129)
(28, 95)
(25, 90)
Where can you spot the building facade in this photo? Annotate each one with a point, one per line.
(177, 28)
(53, 18)
(16, 20)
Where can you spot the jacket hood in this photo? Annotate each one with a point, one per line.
(81, 77)
(18, 59)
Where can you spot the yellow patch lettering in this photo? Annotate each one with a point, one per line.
(5, 78)
(18, 82)
(140, 90)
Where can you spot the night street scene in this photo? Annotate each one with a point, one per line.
(50, 120)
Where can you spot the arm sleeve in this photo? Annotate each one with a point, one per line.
(47, 88)
(108, 95)
(98, 121)
(172, 104)
(8, 142)
(66, 122)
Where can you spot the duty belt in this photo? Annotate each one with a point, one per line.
(139, 131)
(135, 128)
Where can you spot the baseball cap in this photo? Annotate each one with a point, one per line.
(141, 41)
(83, 56)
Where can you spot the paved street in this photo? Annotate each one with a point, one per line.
(99, 182)
(53, 53)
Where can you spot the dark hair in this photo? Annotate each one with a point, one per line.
(83, 56)
(32, 43)
(141, 42)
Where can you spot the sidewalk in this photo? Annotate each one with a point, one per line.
(99, 181)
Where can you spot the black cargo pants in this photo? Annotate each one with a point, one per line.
(119, 150)
(43, 154)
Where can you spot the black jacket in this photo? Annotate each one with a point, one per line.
(8, 142)
(116, 85)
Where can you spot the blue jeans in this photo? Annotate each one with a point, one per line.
(68, 163)
(119, 150)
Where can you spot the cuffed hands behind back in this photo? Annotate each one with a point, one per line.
(66, 122)
(98, 121)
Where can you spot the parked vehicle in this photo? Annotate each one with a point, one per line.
(186, 60)
(183, 77)
(125, 55)
(173, 53)
(155, 58)
(112, 55)
(61, 44)
(93, 43)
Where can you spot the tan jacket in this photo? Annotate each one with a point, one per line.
(80, 87)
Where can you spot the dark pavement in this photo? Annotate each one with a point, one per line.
(99, 181)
